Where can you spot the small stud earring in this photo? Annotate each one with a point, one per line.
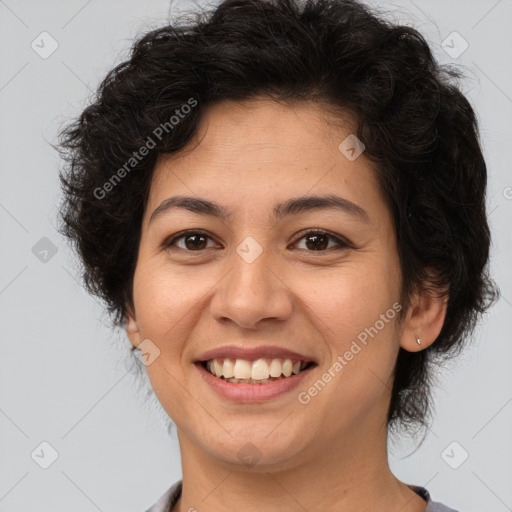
(418, 341)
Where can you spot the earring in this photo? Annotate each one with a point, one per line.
(418, 341)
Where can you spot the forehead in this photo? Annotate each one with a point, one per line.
(264, 124)
(245, 153)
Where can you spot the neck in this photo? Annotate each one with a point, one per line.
(350, 475)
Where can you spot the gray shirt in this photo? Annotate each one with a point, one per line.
(172, 495)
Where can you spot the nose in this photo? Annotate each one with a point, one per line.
(251, 292)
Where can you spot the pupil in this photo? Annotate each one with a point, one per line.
(197, 243)
(316, 245)
(312, 243)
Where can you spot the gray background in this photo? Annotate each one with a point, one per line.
(65, 375)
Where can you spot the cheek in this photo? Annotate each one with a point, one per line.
(163, 297)
(164, 310)
(165, 315)
(355, 312)
(351, 299)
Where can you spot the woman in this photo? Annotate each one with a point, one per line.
(284, 206)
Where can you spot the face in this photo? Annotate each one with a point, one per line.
(253, 279)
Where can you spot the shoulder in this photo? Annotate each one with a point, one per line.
(432, 506)
(167, 501)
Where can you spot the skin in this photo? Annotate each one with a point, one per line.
(327, 455)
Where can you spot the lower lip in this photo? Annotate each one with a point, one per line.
(252, 392)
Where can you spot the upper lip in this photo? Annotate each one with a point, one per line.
(234, 352)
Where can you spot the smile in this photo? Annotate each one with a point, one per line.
(248, 390)
(259, 371)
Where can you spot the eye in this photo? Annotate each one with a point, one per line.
(193, 241)
(318, 240)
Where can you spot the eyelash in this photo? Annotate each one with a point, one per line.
(339, 241)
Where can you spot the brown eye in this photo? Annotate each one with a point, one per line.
(196, 241)
(193, 241)
(319, 241)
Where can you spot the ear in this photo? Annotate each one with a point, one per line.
(132, 327)
(424, 320)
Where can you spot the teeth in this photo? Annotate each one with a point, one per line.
(217, 367)
(287, 367)
(228, 369)
(261, 370)
(275, 368)
(242, 369)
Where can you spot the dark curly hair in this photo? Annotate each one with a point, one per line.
(418, 129)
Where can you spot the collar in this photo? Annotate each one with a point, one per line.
(172, 495)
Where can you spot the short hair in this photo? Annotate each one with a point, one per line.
(419, 132)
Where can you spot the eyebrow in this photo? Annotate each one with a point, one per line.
(281, 210)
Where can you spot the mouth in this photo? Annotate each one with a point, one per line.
(257, 372)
